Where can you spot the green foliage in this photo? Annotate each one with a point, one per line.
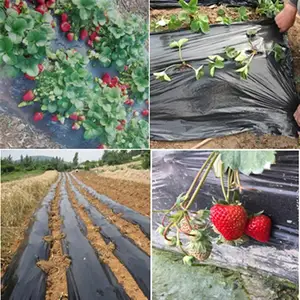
(146, 160)
(215, 62)
(248, 161)
(119, 157)
(222, 18)
(189, 16)
(269, 8)
(122, 39)
(135, 135)
(137, 77)
(24, 39)
(278, 51)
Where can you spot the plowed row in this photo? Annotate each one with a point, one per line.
(60, 267)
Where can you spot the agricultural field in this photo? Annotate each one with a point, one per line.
(80, 80)
(170, 16)
(86, 240)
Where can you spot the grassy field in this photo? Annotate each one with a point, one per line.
(20, 175)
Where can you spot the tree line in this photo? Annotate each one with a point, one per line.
(29, 163)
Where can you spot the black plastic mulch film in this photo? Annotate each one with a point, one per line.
(126, 213)
(87, 277)
(174, 3)
(275, 191)
(186, 109)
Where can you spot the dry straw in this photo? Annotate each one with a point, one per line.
(19, 199)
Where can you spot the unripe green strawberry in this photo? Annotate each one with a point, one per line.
(229, 220)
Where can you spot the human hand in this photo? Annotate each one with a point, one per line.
(297, 115)
(286, 18)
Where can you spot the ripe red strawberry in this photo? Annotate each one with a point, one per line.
(50, 3)
(54, 118)
(259, 228)
(6, 4)
(123, 87)
(229, 220)
(129, 102)
(29, 77)
(93, 36)
(64, 17)
(101, 146)
(145, 112)
(98, 28)
(70, 36)
(40, 1)
(120, 127)
(114, 82)
(65, 27)
(29, 96)
(106, 78)
(122, 122)
(38, 116)
(83, 34)
(16, 8)
(81, 118)
(42, 9)
(75, 126)
(74, 116)
(41, 68)
(90, 43)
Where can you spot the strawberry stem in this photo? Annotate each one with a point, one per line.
(222, 182)
(198, 175)
(166, 231)
(212, 161)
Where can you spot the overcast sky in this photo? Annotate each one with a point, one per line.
(67, 155)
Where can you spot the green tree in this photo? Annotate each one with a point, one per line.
(75, 160)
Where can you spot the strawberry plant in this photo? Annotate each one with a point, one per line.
(222, 18)
(67, 90)
(226, 221)
(136, 76)
(269, 8)
(24, 37)
(113, 37)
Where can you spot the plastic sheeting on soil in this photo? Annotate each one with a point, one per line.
(12, 91)
(127, 213)
(275, 190)
(174, 3)
(186, 109)
(23, 278)
(87, 277)
(134, 259)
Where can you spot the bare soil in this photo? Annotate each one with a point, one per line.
(14, 133)
(105, 251)
(125, 227)
(246, 140)
(58, 263)
(129, 193)
(129, 171)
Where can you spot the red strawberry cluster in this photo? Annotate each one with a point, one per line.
(41, 69)
(43, 6)
(231, 221)
(17, 8)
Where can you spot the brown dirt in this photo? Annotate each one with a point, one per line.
(140, 7)
(16, 134)
(129, 193)
(129, 171)
(58, 262)
(105, 251)
(246, 140)
(211, 12)
(126, 228)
